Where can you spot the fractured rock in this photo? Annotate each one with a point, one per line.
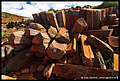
(79, 26)
(52, 19)
(56, 50)
(62, 36)
(41, 38)
(52, 31)
(77, 72)
(102, 46)
(37, 26)
(61, 18)
(87, 53)
(18, 38)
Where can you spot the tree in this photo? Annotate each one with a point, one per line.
(51, 9)
(107, 4)
(87, 6)
(78, 6)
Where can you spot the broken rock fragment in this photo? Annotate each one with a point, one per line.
(18, 38)
(56, 50)
(41, 38)
(87, 53)
(79, 26)
(102, 46)
(52, 31)
(37, 26)
(62, 36)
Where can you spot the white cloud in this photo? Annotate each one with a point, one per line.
(35, 6)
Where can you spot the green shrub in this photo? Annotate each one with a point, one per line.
(3, 34)
(51, 9)
(78, 6)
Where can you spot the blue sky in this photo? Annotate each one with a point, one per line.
(27, 8)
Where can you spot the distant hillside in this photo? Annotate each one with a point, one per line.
(8, 17)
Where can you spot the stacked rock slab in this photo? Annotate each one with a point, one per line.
(78, 72)
(87, 54)
(99, 61)
(93, 17)
(61, 18)
(100, 33)
(51, 16)
(44, 19)
(71, 19)
(104, 47)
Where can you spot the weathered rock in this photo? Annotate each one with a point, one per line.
(40, 68)
(102, 46)
(87, 53)
(105, 27)
(52, 19)
(71, 19)
(32, 32)
(26, 77)
(20, 59)
(36, 16)
(114, 41)
(116, 62)
(33, 68)
(41, 38)
(77, 72)
(115, 29)
(44, 19)
(99, 61)
(62, 36)
(39, 50)
(56, 50)
(79, 26)
(37, 26)
(48, 71)
(52, 31)
(61, 18)
(100, 33)
(18, 38)
(4, 77)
